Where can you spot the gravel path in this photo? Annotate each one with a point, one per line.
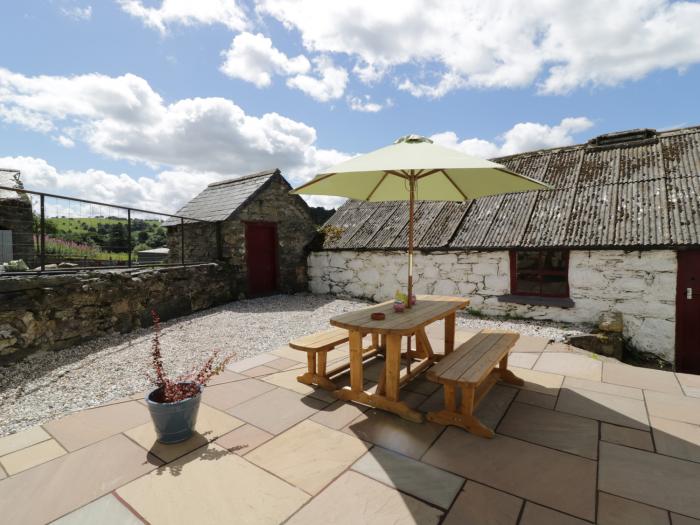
(47, 385)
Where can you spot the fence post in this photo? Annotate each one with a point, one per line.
(182, 241)
(128, 233)
(42, 232)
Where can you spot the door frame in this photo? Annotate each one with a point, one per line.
(269, 224)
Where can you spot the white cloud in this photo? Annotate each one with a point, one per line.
(188, 12)
(366, 105)
(65, 141)
(254, 59)
(166, 192)
(329, 84)
(524, 136)
(123, 118)
(77, 13)
(558, 45)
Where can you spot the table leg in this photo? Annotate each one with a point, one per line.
(393, 366)
(450, 333)
(356, 382)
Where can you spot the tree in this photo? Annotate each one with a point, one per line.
(118, 241)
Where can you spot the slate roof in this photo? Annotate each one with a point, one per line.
(222, 199)
(637, 189)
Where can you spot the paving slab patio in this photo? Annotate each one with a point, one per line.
(647, 378)
(268, 451)
(676, 407)
(675, 438)
(428, 483)
(213, 486)
(308, 455)
(31, 456)
(211, 424)
(618, 410)
(613, 510)
(228, 395)
(243, 439)
(394, 433)
(534, 514)
(22, 439)
(107, 510)
(690, 383)
(354, 499)
(89, 426)
(277, 410)
(478, 503)
(626, 436)
(565, 432)
(46, 492)
(571, 365)
(649, 478)
(533, 472)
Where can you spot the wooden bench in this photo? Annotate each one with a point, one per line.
(317, 347)
(474, 367)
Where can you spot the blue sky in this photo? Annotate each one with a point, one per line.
(144, 103)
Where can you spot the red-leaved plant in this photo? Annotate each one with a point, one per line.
(184, 386)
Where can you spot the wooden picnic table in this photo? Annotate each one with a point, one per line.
(411, 322)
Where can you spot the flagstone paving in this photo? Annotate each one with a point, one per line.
(584, 440)
(478, 503)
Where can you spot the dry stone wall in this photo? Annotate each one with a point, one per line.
(640, 285)
(51, 312)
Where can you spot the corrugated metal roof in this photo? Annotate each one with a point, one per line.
(608, 193)
(222, 199)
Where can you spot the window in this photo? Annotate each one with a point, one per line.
(540, 273)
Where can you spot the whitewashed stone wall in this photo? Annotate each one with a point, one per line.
(640, 285)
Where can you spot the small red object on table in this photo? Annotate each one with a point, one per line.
(378, 316)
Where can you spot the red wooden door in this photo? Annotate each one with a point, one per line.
(688, 312)
(261, 257)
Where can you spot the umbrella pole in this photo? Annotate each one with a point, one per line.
(411, 199)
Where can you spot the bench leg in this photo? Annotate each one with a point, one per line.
(506, 375)
(316, 371)
(465, 417)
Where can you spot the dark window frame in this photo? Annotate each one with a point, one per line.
(539, 272)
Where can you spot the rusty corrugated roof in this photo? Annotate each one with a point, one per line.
(641, 193)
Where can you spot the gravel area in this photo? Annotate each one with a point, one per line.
(47, 385)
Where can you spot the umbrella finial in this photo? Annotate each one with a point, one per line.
(412, 139)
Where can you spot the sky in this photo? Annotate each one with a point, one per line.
(143, 103)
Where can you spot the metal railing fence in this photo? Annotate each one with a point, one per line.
(57, 233)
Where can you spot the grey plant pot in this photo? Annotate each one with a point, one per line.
(174, 422)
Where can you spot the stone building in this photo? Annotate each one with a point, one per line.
(16, 221)
(255, 226)
(619, 233)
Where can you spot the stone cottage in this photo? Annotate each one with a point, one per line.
(255, 226)
(619, 233)
(16, 221)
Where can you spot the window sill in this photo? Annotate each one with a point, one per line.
(536, 300)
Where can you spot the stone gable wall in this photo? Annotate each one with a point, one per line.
(295, 230)
(51, 312)
(640, 285)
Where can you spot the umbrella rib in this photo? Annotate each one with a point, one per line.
(377, 186)
(314, 181)
(453, 183)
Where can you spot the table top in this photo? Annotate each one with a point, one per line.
(428, 308)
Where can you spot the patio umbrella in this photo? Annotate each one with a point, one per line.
(413, 168)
